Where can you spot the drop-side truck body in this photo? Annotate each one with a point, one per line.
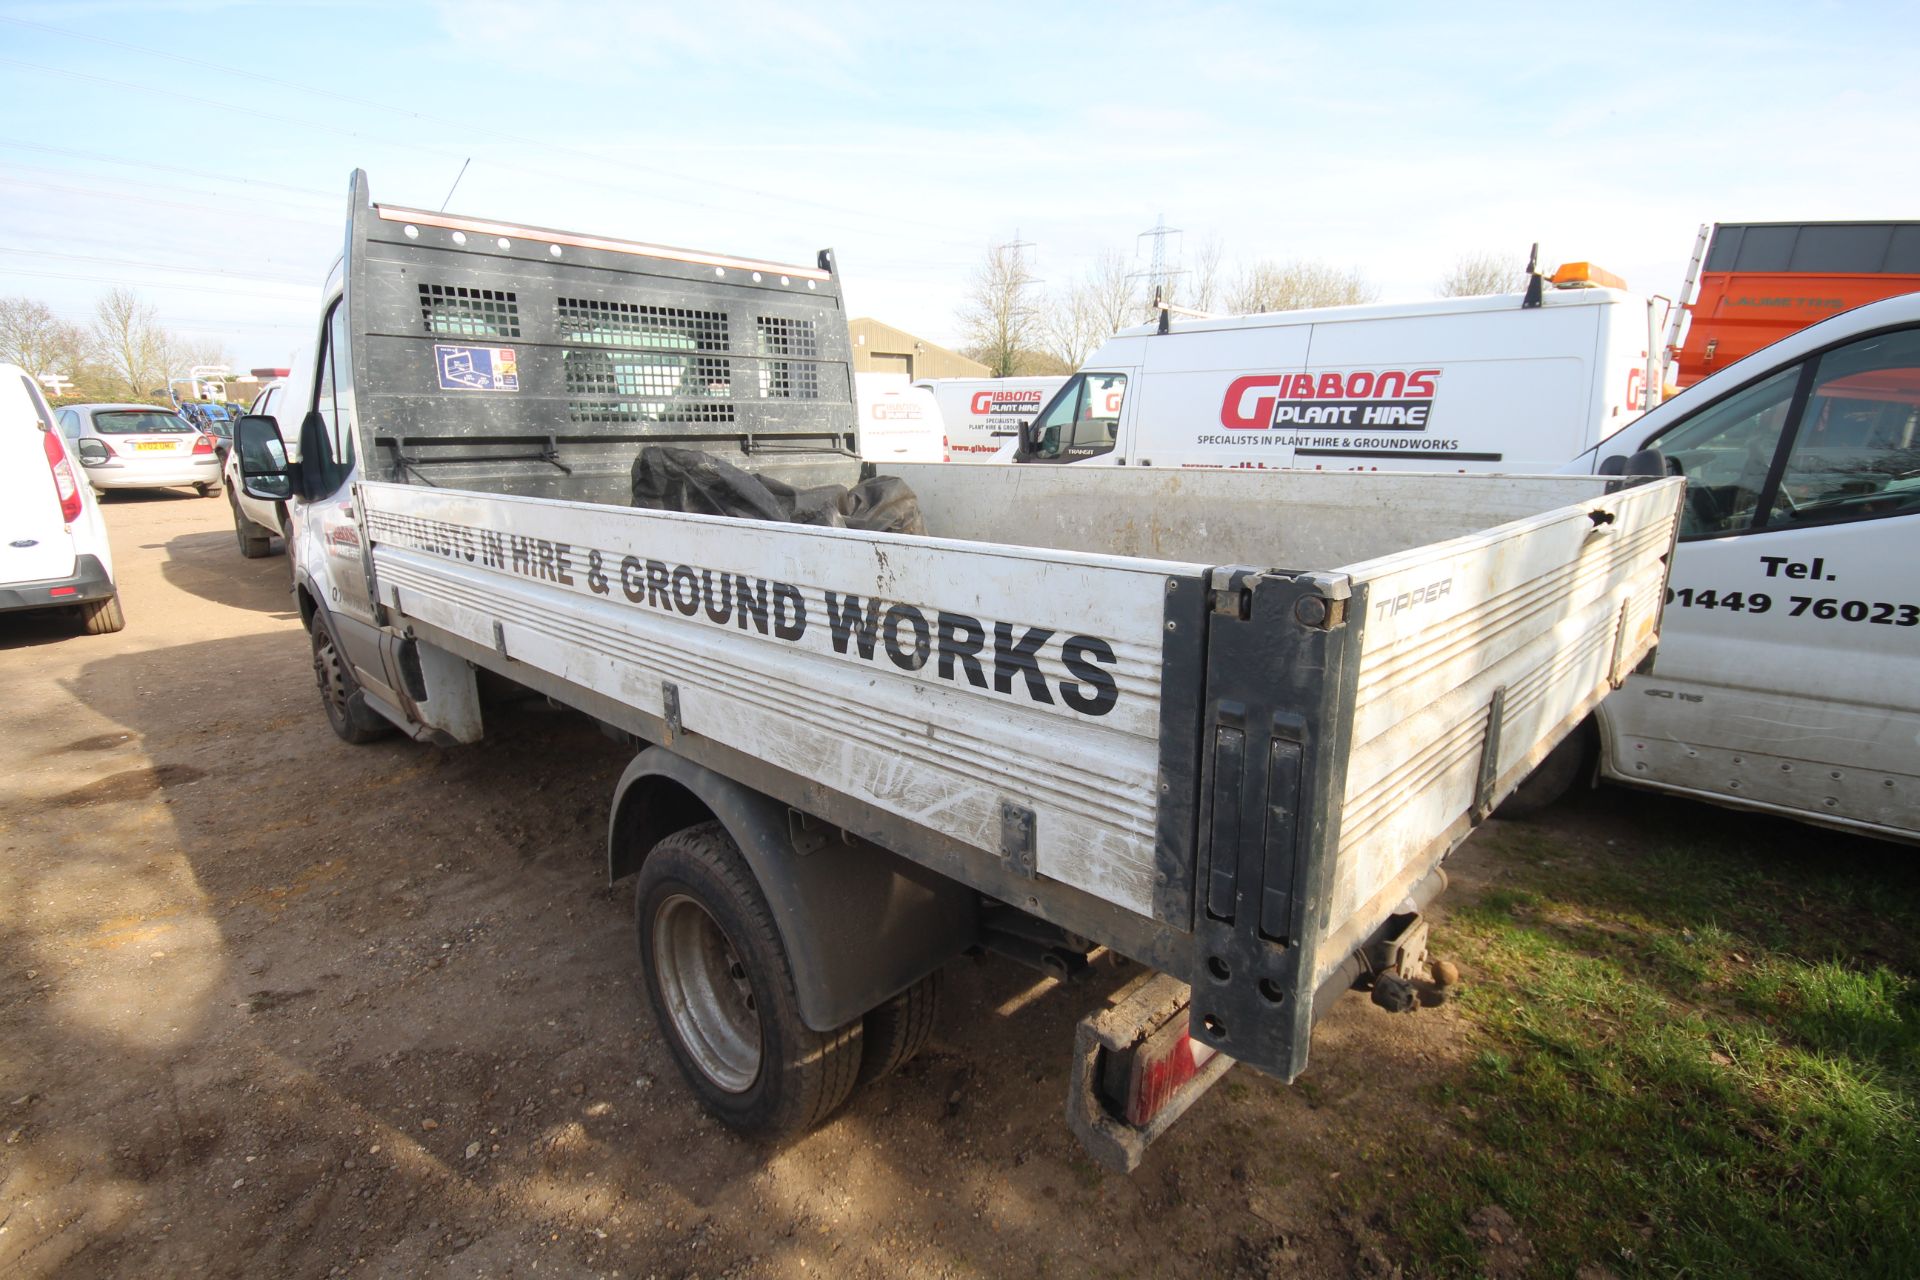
(1226, 732)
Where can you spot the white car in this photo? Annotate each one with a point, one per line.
(53, 543)
(140, 446)
(256, 522)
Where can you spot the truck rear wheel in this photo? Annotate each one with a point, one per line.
(895, 1032)
(723, 993)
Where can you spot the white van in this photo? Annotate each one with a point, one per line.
(1788, 673)
(256, 522)
(981, 415)
(899, 422)
(1463, 384)
(53, 543)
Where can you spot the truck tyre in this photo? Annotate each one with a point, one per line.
(254, 544)
(723, 993)
(102, 617)
(1552, 778)
(348, 715)
(896, 1031)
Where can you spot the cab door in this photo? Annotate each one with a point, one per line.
(1788, 673)
(334, 547)
(1082, 423)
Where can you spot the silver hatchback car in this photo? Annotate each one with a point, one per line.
(140, 446)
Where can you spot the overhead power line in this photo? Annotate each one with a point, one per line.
(157, 266)
(147, 184)
(191, 288)
(546, 145)
(170, 168)
(153, 201)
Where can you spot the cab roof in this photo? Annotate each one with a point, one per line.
(1553, 298)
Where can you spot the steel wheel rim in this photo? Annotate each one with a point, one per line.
(708, 997)
(331, 677)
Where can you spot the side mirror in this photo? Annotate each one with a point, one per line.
(91, 452)
(264, 473)
(1614, 466)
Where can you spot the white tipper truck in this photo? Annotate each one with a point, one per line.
(1225, 731)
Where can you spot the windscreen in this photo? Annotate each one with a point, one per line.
(137, 422)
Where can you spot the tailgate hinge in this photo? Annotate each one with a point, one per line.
(1016, 839)
(1230, 591)
(1489, 758)
(670, 708)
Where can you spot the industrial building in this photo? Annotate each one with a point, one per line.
(881, 348)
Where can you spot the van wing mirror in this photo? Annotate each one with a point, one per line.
(264, 473)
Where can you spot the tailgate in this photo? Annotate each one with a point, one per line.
(1392, 704)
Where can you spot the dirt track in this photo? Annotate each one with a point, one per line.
(274, 1005)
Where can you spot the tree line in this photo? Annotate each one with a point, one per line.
(1015, 326)
(123, 352)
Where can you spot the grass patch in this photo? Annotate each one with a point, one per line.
(1698, 1058)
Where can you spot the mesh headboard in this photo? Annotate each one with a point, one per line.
(537, 361)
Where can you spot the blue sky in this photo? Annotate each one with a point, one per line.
(199, 151)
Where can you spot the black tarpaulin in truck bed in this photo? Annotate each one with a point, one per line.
(669, 479)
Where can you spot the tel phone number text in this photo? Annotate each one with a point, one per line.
(1823, 608)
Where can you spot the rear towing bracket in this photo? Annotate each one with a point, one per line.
(1137, 1066)
(1136, 1070)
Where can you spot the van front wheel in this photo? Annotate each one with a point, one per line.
(255, 543)
(349, 716)
(1553, 777)
(722, 991)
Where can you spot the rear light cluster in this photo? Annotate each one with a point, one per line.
(203, 444)
(1161, 1068)
(65, 483)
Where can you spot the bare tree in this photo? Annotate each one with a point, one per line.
(182, 354)
(1291, 286)
(132, 344)
(1204, 283)
(1476, 274)
(1090, 310)
(32, 337)
(1000, 318)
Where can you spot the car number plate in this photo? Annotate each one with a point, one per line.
(165, 445)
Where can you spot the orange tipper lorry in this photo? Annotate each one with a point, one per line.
(1761, 281)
